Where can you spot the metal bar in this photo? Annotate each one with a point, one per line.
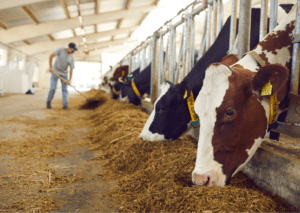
(192, 33)
(154, 68)
(184, 37)
(168, 59)
(244, 27)
(143, 65)
(291, 130)
(296, 54)
(273, 14)
(220, 10)
(138, 59)
(187, 47)
(203, 39)
(208, 28)
(161, 64)
(173, 61)
(233, 23)
(214, 22)
(263, 19)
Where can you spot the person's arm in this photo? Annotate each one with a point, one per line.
(50, 62)
(71, 72)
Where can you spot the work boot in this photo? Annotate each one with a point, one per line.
(49, 105)
(66, 107)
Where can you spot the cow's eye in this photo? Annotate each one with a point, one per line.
(230, 112)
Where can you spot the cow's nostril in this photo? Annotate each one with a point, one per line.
(140, 138)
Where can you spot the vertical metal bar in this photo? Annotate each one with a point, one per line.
(161, 64)
(173, 61)
(233, 23)
(244, 27)
(154, 68)
(220, 11)
(208, 28)
(263, 19)
(138, 59)
(192, 33)
(296, 55)
(203, 39)
(143, 65)
(214, 22)
(184, 37)
(187, 48)
(273, 14)
(168, 59)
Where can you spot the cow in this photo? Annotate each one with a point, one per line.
(171, 114)
(121, 71)
(141, 82)
(234, 105)
(116, 86)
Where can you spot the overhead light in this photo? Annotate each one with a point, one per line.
(84, 39)
(80, 19)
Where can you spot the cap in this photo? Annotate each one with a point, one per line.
(73, 46)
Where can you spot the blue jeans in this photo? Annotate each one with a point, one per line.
(53, 84)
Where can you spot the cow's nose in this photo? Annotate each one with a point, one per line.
(141, 138)
(200, 180)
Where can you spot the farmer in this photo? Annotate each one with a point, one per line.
(64, 58)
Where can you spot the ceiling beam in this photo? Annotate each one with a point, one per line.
(32, 30)
(31, 14)
(26, 42)
(40, 47)
(97, 6)
(65, 7)
(5, 4)
(143, 18)
(51, 37)
(104, 44)
(2, 25)
(128, 4)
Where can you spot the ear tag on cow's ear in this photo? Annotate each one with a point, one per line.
(123, 73)
(267, 89)
(273, 108)
(185, 94)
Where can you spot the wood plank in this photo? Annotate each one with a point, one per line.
(31, 14)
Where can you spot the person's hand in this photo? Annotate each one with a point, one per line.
(50, 69)
(69, 82)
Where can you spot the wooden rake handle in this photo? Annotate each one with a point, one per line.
(69, 85)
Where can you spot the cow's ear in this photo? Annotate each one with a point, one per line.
(230, 59)
(278, 76)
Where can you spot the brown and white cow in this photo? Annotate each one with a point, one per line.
(234, 116)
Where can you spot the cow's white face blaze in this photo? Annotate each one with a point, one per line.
(146, 134)
(215, 85)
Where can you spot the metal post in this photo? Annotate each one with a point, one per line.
(263, 19)
(296, 54)
(244, 27)
(154, 68)
(214, 22)
(173, 54)
(203, 38)
(187, 47)
(168, 58)
(161, 72)
(192, 33)
(138, 59)
(273, 14)
(233, 24)
(208, 28)
(220, 11)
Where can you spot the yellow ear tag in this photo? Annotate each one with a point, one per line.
(123, 73)
(267, 89)
(273, 108)
(185, 94)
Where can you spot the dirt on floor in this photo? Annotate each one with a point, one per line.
(90, 160)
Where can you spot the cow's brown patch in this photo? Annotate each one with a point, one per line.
(234, 134)
(121, 71)
(276, 41)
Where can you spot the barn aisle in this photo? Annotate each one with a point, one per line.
(45, 161)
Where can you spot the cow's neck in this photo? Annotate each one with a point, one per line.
(142, 81)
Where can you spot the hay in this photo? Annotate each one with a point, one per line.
(156, 176)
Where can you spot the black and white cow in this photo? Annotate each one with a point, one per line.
(142, 82)
(170, 117)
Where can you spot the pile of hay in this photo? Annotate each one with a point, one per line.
(156, 176)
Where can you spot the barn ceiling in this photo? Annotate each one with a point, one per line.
(96, 26)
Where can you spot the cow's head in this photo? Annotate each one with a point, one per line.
(170, 117)
(234, 118)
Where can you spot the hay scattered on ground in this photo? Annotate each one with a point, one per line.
(156, 176)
